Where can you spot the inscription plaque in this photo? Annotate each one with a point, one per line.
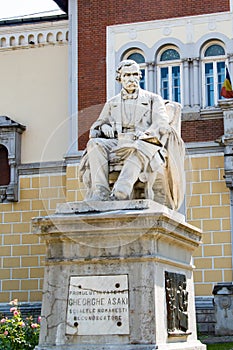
(98, 305)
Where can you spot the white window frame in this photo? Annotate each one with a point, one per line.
(169, 64)
(214, 60)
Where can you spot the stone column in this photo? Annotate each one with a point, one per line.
(151, 77)
(230, 60)
(12, 188)
(227, 141)
(186, 84)
(73, 78)
(118, 279)
(196, 86)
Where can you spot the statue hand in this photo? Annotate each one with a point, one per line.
(94, 133)
(163, 130)
(108, 131)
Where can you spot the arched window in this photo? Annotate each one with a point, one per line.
(22, 40)
(169, 74)
(50, 38)
(31, 39)
(3, 42)
(4, 167)
(138, 57)
(40, 38)
(59, 36)
(213, 73)
(12, 41)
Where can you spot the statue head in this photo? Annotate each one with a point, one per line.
(128, 74)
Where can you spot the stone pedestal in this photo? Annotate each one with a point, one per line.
(223, 302)
(118, 279)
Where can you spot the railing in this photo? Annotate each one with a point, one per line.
(34, 38)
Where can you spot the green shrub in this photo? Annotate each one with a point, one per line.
(17, 333)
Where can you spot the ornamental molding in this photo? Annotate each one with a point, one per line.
(211, 19)
(33, 35)
(10, 138)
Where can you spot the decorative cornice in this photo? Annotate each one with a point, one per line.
(33, 35)
(42, 168)
(194, 148)
(7, 123)
(226, 104)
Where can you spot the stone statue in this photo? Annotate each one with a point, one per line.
(171, 306)
(134, 130)
(182, 295)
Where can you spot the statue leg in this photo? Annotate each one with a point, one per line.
(98, 150)
(129, 174)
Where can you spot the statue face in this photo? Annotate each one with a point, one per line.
(130, 77)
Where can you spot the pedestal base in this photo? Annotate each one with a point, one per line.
(118, 280)
(192, 346)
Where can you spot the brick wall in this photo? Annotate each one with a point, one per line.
(96, 15)
(202, 130)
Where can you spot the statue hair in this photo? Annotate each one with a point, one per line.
(126, 63)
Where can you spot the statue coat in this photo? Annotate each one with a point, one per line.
(150, 115)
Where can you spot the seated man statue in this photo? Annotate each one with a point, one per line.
(133, 128)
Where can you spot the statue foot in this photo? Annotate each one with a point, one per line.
(119, 196)
(100, 195)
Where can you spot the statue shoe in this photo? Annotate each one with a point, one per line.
(100, 196)
(119, 196)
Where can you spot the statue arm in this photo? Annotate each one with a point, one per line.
(102, 125)
(160, 117)
(159, 127)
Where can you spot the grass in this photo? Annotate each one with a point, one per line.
(222, 346)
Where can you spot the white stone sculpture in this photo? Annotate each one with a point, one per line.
(140, 132)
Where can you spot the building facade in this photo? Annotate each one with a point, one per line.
(33, 141)
(61, 72)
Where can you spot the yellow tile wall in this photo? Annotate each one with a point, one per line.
(22, 253)
(208, 208)
(74, 189)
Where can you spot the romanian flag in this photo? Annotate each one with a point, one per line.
(226, 90)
